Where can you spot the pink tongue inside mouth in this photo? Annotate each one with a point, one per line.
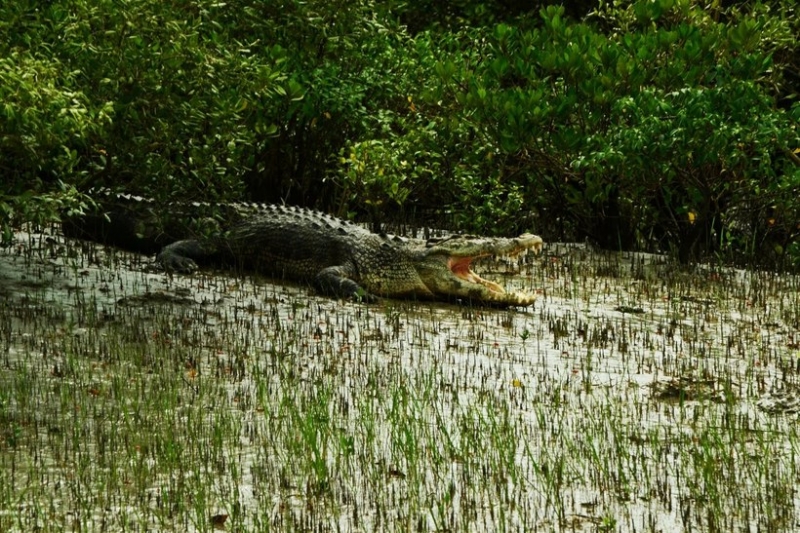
(460, 267)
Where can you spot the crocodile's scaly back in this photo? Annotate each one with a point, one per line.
(299, 244)
(338, 257)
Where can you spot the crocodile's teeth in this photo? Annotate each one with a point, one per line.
(516, 298)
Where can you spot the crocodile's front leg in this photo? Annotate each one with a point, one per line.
(336, 281)
(183, 256)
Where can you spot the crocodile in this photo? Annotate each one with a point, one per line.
(338, 257)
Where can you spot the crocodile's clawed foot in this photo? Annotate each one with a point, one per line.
(176, 263)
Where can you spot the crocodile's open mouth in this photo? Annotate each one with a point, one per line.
(460, 266)
(458, 253)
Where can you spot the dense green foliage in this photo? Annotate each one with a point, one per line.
(654, 124)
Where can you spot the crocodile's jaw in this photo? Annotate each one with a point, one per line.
(459, 280)
(466, 284)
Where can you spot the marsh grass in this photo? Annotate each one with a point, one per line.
(633, 397)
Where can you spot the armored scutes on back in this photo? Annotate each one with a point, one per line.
(345, 260)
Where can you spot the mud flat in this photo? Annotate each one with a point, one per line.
(634, 396)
